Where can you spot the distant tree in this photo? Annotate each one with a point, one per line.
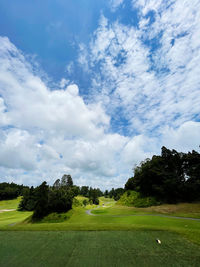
(76, 190)
(69, 181)
(64, 180)
(85, 202)
(93, 196)
(29, 200)
(118, 193)
(84, 191)
(57, 183)
(112, 193)
(10, 190)
(95, 201)
(106, 194)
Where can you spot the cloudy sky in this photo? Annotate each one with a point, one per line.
(93, 87)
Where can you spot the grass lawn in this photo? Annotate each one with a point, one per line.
(78, 239)
(102, 248)
(9, 204)
(182, 209)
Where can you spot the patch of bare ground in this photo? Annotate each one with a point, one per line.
(6, 210)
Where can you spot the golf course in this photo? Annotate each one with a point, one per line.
(105, 235)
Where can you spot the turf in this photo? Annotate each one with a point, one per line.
(10, 204)
(102, 248)
(77, 219)
(116, 238)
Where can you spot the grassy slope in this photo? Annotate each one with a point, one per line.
(183, 210)
(135, 248)
(10, 204)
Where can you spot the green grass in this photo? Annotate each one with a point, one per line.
(78, 239)
(9, 204)
(79, 220)
(106, 248)
(133, 198)
(191, 210)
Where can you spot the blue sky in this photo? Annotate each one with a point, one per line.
(92, 88)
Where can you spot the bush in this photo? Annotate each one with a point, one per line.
(85, 202)
(133, 198)
(55, 218)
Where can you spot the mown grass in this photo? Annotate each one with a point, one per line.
(9, 204)
(191, 210)
(78, 239)
(77, 219)
(106, 248)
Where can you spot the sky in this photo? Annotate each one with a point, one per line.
(93, 87)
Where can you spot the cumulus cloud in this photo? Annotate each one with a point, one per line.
(31, 105)
(45, 133)
(184, 138)
(17, 150)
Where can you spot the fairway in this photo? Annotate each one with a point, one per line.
(103, 248)
(115, 237)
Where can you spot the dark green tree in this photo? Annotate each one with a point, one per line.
(41, 207)
(57, 184)
(172, 177)
(69, 181)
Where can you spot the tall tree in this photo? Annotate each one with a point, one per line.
(171, 177)
(41, 207)
(69, 181)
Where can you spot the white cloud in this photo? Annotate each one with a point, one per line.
(70, 67)
(30, 104)
(49, 132)
(184, 138)
(154, 88)
(64, 82)
(17, 150)
(138, 148)
(4, 120)
(114, 4)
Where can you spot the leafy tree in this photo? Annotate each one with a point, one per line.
(10, 190)
(84, 191)
(64, 180)
(106, 194)
(57, 184)
(69, 181)
(59, 200)
(172, 177)
(29, 200)
(76, 190)
(85, 202)
(41, 207)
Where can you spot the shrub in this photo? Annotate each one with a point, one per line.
(133, 198)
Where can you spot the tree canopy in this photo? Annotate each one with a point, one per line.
(171, 177)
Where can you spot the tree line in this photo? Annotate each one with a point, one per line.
(46, 199)
(11, 190)
(171, 177)
(115, 193)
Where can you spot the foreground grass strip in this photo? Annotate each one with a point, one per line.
(105, 248)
